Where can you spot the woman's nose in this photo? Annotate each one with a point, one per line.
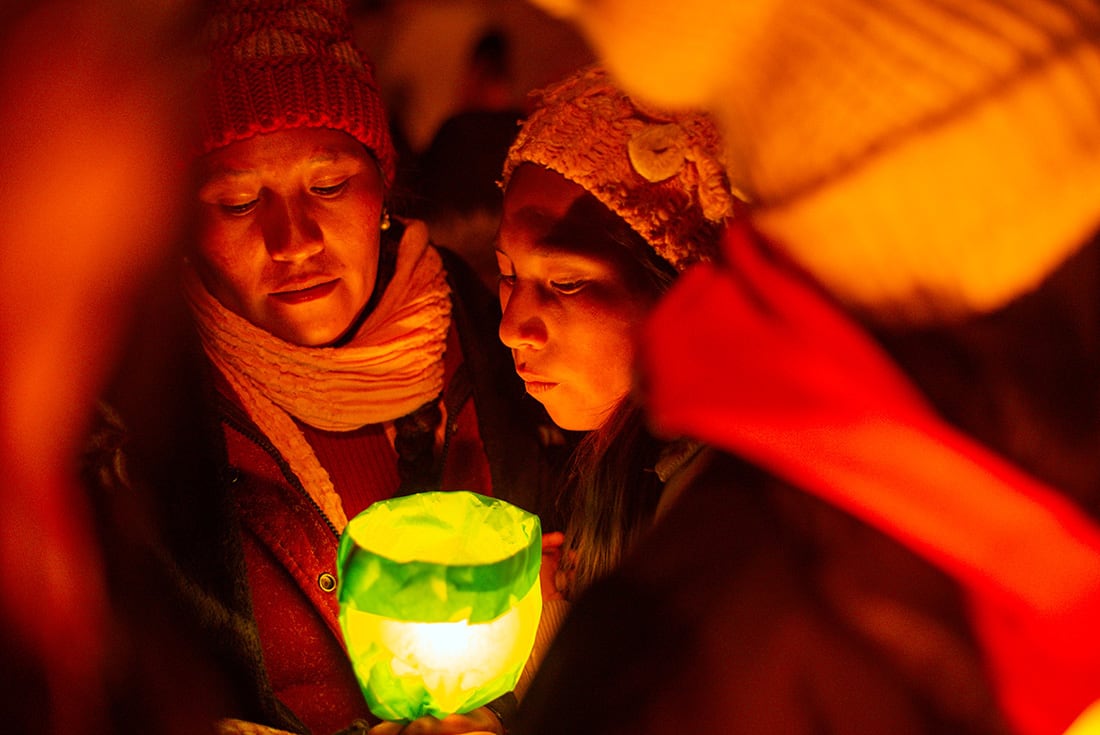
(522, 323)
(291, 233)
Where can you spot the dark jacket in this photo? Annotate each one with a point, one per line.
(752, 607)
(755, 606)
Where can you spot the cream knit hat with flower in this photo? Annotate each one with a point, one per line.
(662, 172)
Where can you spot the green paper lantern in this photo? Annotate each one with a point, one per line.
(439, 601)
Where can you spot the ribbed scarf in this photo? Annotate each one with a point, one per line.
(392, 366)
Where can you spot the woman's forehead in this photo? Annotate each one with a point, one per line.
(281, 149)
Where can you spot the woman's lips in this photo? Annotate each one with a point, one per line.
(302, 295)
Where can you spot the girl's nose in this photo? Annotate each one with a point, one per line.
(522, 323)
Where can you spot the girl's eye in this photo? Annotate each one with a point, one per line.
(239, 209)
(506, 279)
(567, 287)
(330, 191)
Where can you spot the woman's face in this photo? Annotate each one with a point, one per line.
(289, 231)
(573, 297)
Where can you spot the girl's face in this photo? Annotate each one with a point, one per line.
(573, 297)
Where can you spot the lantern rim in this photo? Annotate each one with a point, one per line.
(428, 590)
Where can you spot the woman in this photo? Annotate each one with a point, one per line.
(348, 360)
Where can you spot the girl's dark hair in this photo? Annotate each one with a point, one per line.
(612, 488)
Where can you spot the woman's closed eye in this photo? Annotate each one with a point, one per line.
(568, 287)
(239, 209)
(330, 190)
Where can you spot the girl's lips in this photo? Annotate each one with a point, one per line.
(535, 387)
(306, 294)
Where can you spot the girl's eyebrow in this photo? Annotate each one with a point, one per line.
(559, 234)
(541, 250)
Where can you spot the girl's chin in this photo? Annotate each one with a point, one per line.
(574, 422)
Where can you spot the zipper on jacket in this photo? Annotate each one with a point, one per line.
(458, 392)
(233, 416)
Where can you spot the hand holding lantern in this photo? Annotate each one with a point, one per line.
(439, 601)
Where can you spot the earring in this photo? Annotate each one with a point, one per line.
(385, 225)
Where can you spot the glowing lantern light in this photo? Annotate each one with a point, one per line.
(439, 601)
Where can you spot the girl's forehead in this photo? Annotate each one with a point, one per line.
(540, 192)
(547, 214)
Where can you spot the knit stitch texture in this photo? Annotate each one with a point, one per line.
(276, 65)
(661, 171)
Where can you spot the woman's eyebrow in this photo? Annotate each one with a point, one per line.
(222, 172)
(219, 177)
(327, 155)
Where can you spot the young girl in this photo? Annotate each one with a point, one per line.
(605, 203)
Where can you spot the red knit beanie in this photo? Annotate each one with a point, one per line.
(282, 64)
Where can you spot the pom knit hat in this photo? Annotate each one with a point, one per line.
(282, 64)
(662, 172)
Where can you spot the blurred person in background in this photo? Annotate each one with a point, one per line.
(456, 177)
(917, 274)
(605, 203)
(91, 195)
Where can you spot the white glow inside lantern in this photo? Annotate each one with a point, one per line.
(439, 601)
(449, 659)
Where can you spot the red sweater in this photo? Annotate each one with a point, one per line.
(290, 552)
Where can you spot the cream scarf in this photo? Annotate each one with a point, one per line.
(392, 366)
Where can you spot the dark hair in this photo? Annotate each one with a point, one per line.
(612, 488)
